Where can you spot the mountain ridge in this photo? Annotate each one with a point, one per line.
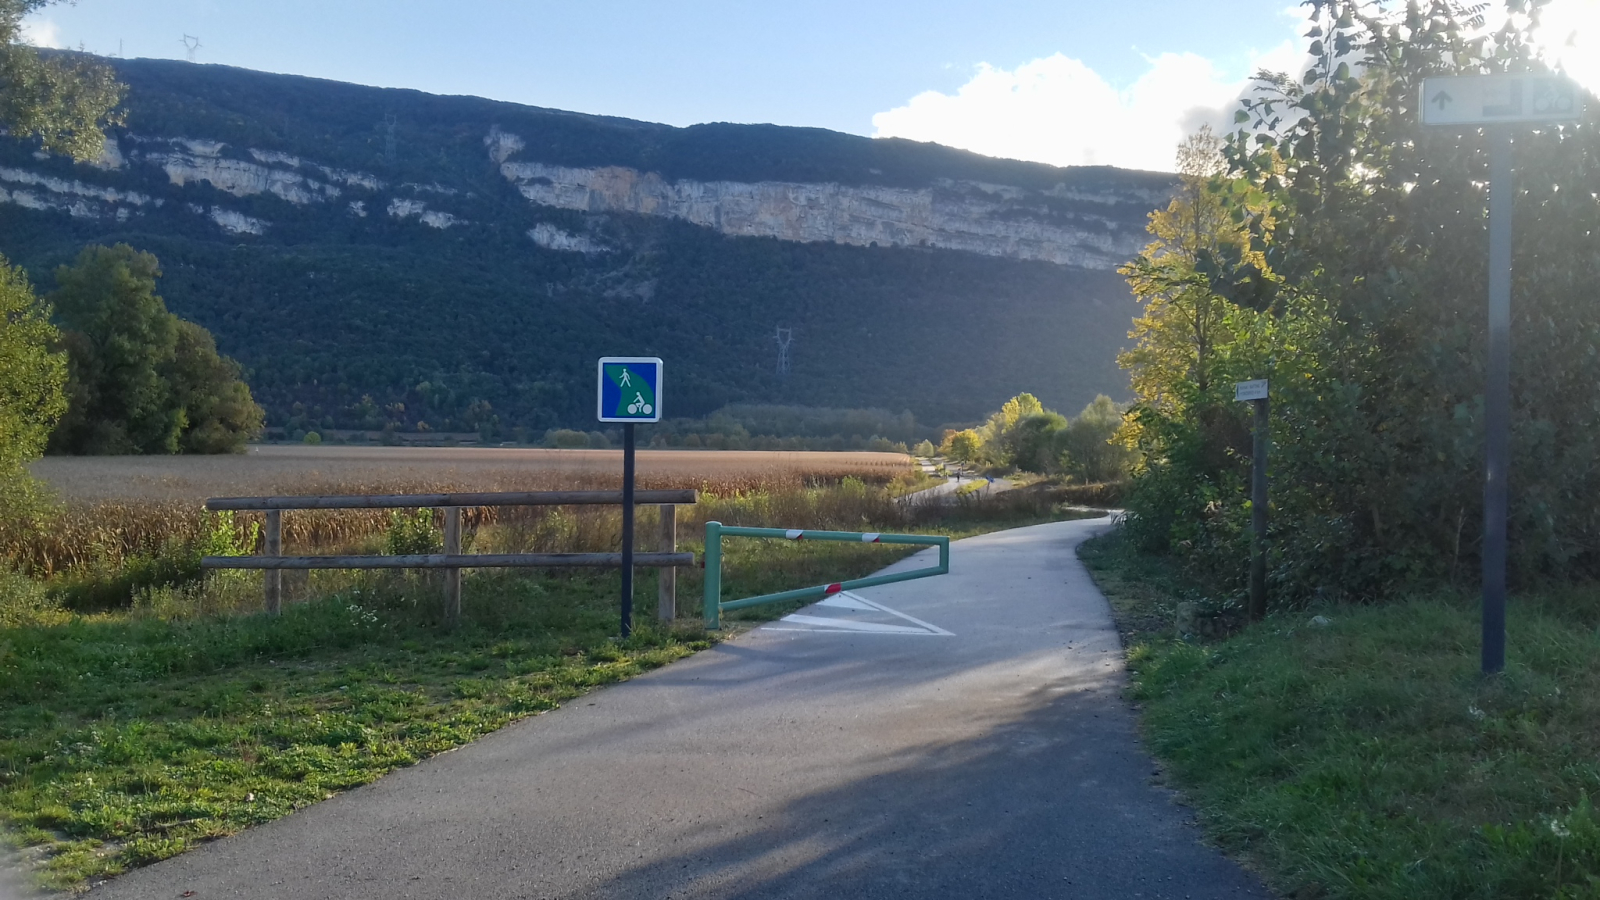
(555, 218)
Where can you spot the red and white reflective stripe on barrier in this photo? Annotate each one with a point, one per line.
(795, 534)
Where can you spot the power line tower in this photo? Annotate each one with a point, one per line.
(785, 338)
(389, 123)
(191, 44)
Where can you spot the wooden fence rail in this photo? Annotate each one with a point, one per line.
(435, 501)
(452, 560)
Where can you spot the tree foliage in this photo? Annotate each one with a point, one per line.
(141, 379)
(963, 446)
(64, 101)
(65, 104)
(1349, 268)
(1025, 435)
(31, 379)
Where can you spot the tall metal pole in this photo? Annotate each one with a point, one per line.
(627, 529)
(1497, 402)
(1258, 514)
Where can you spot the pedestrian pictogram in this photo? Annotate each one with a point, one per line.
(630, 389)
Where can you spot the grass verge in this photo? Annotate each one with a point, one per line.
(1364, 756)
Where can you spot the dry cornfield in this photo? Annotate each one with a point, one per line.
(298, 469)
(116, 507)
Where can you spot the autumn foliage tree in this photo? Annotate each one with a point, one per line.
(1344, 259)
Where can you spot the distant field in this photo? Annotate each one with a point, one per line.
(275, 469)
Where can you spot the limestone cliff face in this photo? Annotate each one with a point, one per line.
(1097, 228)
(188, 161)
(1059, 226)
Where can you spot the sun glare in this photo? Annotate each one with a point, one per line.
(1569, 33)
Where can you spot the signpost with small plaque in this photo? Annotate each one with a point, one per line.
(1255, 393)
(1501, 105)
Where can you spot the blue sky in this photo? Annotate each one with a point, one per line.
(1067, 81)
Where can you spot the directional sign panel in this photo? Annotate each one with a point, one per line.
(1494, 99)
(1250, 390)
(630, 389)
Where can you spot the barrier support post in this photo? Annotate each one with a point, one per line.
(713, 598)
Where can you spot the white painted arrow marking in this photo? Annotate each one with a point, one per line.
(848, 600)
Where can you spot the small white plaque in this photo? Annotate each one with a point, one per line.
(1250, 390)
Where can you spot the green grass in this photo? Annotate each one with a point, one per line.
(124, 740)
(1368, 758)
(126, 737)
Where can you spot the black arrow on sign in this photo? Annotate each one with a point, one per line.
(1443, 99)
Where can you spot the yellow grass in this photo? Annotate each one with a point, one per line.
(117, 507)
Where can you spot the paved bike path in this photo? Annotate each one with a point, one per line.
(798, 761)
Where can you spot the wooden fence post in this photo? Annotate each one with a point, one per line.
(272, 579)
(452, 577)
(667, 576)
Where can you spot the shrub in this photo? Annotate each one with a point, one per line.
(24, 601)
(412, 533)
(566, 439)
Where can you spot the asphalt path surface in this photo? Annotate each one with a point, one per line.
(961, 736)
(945, 492)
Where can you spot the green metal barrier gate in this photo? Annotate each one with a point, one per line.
(716, 531)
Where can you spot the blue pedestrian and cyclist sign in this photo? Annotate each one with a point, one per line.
(630, 393)
(630, 389)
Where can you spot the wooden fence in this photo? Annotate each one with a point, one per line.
(452, 560)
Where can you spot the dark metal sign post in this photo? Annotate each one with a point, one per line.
(630, 392)
(1497, 404)
(1255, 392)
(1495, 103)
(627, 529)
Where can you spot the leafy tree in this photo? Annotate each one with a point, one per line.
(1089, 448)
(1030, 442)
(1349, 269)
(31, 379)
(65, 101)
(996, 433)
(964, 446)
(121, 341)
(141, 379)
(219, 415)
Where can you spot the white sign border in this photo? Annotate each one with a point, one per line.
(600, 387)
(1242, 387)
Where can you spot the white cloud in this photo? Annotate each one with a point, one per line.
(1057, 110)
(42, 33)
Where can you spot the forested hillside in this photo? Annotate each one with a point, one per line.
(382, 257)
